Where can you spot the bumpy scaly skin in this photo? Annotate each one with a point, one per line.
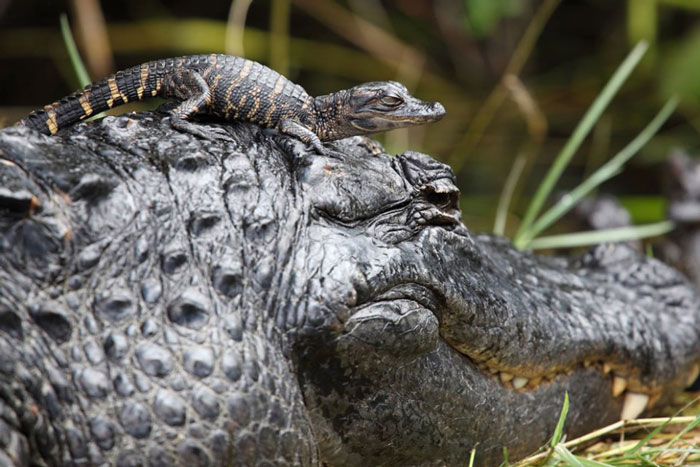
(184, 302)
(234, 88)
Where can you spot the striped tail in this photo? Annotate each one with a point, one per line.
(135, 83)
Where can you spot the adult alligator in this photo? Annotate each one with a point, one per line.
(171, 300)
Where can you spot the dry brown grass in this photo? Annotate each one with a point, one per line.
(673, 440)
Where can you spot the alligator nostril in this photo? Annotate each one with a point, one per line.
(444, 200)
(441, 200)
(438, 110)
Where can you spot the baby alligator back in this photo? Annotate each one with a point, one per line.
(230, 87)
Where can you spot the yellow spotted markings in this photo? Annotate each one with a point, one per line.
(142, 81)
(85, 103)
(240, 106)
(51, 122)
(113, 92)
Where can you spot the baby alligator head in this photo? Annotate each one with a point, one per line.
(372, 108)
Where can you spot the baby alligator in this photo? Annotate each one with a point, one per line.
(234, 88)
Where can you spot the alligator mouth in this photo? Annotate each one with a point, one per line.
(636, 397)
(374, 121)
(407, 118)
(377, 122)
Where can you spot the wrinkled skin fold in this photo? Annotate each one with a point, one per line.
(250, 302)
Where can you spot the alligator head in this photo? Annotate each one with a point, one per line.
(371, 108)
(183, 301)
(437, 340)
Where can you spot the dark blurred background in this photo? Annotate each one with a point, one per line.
(515, 75)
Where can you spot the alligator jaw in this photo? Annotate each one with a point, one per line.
(622, 379)
(634, 402)
(408, 308)
(636, 396)
(529, 326)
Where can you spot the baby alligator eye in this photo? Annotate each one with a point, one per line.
(391, 101)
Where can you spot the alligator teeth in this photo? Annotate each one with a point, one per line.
(618, 386)
(505, 377)
(693, 375)
(633, 405)
(534, 382)
(519, 382)
(606, 368)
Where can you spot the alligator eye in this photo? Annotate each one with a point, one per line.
(391, 101)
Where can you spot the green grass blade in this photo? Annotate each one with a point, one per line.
(556, 437)
(593, 237)
(658, 429)
(499, 224)
(644, 461)
(472, 454)
(592, 463)
(605, 172)
(642, 20)
(75, 59)
(678, 436)
(584, 127)
(235, 27)
(645, 440)
(565, 455)
(649, 250)
(279, 32)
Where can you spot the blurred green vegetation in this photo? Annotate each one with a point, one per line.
(483, 16)
(515, 75)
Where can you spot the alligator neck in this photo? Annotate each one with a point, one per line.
(331, 116)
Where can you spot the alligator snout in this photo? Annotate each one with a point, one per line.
(442, 199)
(442, 195)
(438, 110)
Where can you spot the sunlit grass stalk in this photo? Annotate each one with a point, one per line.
(73, 53)
(642, 20)
(279, 31)
(605, 172)
(538, 459)
(235, 27)
(678, 436)
(584, 127)
(472, 455)
(643, 442)
(499, 224)
(565, 455)
(594, 237)
(559, 430)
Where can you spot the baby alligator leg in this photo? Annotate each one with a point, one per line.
(299, 131)
(189, 87)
